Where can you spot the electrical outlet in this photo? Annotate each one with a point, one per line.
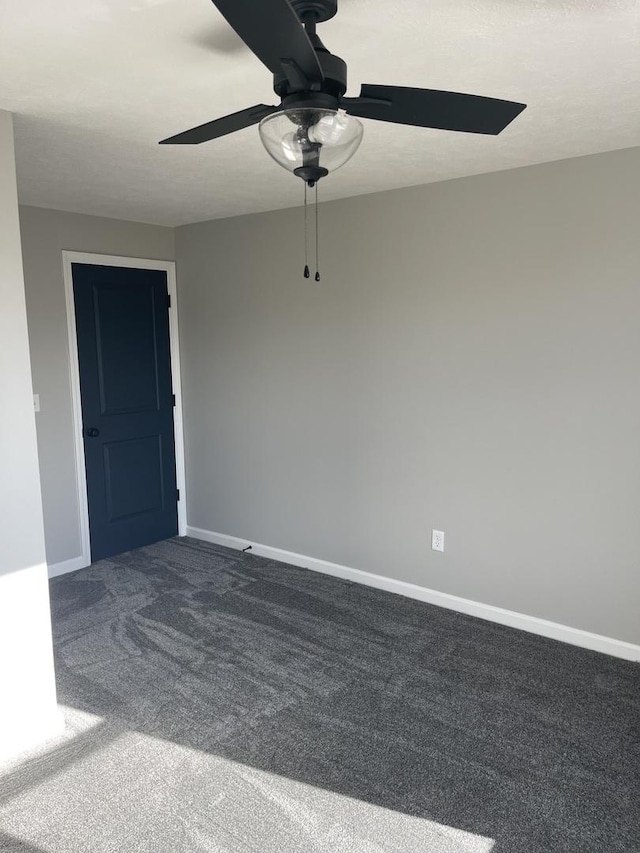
(36, 402)
(437, 540)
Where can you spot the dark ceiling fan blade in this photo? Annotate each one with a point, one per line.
(432, 108)
(221, 126)
(272, 30)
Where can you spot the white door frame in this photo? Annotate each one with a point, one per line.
(169, 267)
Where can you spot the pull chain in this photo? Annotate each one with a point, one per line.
(317, 276)
(306, 235)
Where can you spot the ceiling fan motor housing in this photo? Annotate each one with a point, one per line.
(334, 69)
(334, 84)
(318, 10)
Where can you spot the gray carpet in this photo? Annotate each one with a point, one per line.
(221, 702)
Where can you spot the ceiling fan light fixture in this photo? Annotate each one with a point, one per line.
(311, 142)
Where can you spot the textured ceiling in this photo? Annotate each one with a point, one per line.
(94, 84)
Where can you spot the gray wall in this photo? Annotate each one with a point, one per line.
(45, 233)
(469, 362)
(27, 689)
(20, 506)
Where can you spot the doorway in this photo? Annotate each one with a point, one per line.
(124, 354)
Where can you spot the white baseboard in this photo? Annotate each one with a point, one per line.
(532, 624)
(55, 569)
(28, 733)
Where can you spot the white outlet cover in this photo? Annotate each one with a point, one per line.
(437, 540)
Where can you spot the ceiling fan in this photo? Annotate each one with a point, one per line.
(313, 130)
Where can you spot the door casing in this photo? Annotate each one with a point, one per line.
(169, 267)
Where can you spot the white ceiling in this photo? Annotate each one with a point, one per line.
(94, 84)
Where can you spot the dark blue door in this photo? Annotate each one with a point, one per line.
(122, 321)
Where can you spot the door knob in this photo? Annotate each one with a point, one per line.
(92, 432)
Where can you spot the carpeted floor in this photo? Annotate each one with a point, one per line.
(227, 703)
